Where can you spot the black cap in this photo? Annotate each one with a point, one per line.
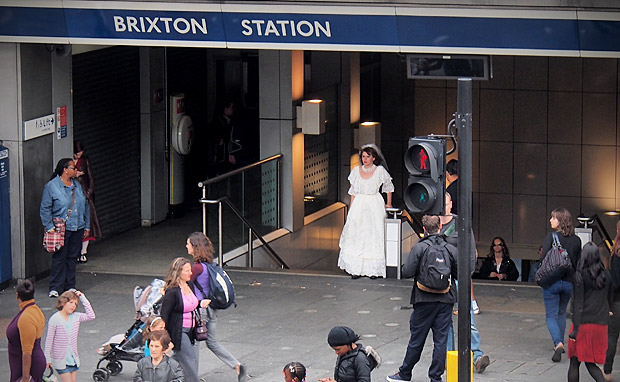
(341, 335)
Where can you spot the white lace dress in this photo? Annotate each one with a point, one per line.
(362, 244)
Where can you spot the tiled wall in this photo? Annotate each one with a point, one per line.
(546, 133)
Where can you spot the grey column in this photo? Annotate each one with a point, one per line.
(278, 131)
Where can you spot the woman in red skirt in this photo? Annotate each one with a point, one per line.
(591, 300)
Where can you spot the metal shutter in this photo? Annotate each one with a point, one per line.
(106, 118)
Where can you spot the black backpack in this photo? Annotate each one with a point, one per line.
(435, 269)
(221, 288)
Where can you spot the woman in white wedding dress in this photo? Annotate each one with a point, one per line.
(362, 242)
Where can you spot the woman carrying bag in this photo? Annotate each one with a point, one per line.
(63, 198)
(558, 287)
(177, 311)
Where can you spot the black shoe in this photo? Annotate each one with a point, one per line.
(82, 259)
(355, 277)
(374, 277)
(557, 354)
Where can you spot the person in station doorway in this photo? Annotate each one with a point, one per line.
(223, 146)
(432, 307)
(448, 229)
(85, 176)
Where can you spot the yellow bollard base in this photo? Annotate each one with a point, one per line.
(452, 366)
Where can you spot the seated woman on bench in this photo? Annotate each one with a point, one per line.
(498, 265)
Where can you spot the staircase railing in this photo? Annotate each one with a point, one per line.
(251, 234)
(250, 188)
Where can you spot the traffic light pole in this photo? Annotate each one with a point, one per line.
(463, 225)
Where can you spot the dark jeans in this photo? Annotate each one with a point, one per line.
(426, 316)
(613, 330)
(62, 272)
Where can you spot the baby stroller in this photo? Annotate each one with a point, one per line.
(129, 347)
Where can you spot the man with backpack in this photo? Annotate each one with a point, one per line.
(433, 265)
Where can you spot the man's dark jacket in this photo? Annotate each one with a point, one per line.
(410, 269)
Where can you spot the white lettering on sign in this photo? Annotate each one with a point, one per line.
(159, 25)
(283, 28)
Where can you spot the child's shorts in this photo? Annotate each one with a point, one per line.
(68, 369)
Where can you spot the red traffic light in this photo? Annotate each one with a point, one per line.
(425, 161)
(420, 159)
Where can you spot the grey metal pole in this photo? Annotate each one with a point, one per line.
(463, 124)
(204, 211)
(250, 260)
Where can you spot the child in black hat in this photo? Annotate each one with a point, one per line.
(354, 362)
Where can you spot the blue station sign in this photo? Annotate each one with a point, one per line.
(313, 27)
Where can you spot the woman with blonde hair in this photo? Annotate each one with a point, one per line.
(177, 311)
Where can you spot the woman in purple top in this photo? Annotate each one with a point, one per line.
(200, 247)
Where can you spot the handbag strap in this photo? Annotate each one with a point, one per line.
(72, 203)
(556, 240)
(196, 314)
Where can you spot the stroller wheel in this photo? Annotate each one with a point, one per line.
(114, 367)
(100, 375)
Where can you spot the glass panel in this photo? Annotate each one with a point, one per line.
(254, 194)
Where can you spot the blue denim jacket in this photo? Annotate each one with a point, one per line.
(56, 201)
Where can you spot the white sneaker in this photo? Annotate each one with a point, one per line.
(475, 307)
(53, 294)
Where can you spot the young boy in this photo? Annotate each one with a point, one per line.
(158, 367)
(352, 364)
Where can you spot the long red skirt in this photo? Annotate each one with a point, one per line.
(590, 345)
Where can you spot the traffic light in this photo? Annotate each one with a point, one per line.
(425, 160)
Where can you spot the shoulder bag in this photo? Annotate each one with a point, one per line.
(554, 262)
(54, 240)
(200, 326)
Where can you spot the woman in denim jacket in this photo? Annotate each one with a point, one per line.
(57, 202)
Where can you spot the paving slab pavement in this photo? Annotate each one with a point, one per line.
(284, 316)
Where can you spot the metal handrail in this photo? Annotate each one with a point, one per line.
(586, 222)
(238, 171)
(252, 232)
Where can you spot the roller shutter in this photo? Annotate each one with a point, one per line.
(106, 115)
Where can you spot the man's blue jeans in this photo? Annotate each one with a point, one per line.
(475, 334)
(475, 338)
(556, 299)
